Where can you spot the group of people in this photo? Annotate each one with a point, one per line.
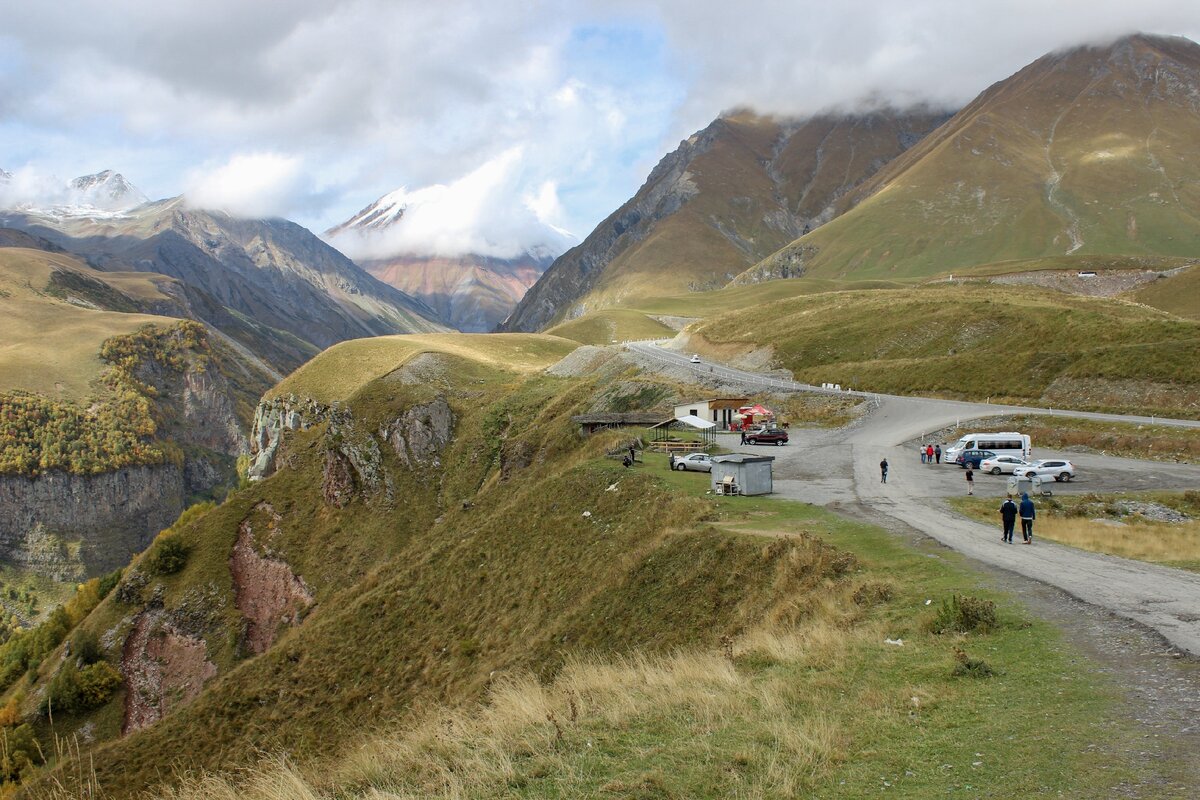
(1009, 511)
(930, 453)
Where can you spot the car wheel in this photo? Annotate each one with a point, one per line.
(995, 470)
(779, 444)
(680, 467)
(1064, 476)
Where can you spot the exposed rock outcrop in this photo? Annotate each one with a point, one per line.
(163, 669)
(266, 590)
(421, 433)
(108, 517)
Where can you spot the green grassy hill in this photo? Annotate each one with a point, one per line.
(1177, 294)
(49, 344)
(1082, 152)
(729, 196)
(516, 615)
(969, 340)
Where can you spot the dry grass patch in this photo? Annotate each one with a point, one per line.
(1111, 524)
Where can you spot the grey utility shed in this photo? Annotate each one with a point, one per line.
(739, 473)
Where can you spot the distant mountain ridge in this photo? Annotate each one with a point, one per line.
(472, 292)
(1086, 151)
(728, 196)
(272, 273)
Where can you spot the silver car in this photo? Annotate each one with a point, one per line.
(999, 464)
(1059, 469)
(695, 462)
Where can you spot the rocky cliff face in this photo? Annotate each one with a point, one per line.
(65, 526)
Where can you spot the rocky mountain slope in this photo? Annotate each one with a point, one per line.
(727, 197)
(1083, 152)
(472, 292)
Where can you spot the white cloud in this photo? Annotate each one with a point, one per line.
(249, 185)
(474, 214)
(367, 95)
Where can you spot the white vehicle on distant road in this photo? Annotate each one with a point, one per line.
(1002, 444)
(1001, 464)
(1058, 469)
(695, 358)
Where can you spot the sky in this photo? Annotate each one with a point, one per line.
(510, 119)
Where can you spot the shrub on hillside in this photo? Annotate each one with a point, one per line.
(964, 614)
(19, 752)
(75, 690)
(85, 647)
(967, 667)
(168, 556)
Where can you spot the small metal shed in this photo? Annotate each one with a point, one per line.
(739, 473)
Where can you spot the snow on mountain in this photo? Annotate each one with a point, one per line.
(107, 190)
(491, 212)
(103, 194)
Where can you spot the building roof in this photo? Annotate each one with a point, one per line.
(741, 458)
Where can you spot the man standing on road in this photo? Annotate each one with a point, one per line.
(970, 481)
(937, 452)
(922, 454)
(743, 435)
(883, 468)
(1008, 516)
(1027, 515)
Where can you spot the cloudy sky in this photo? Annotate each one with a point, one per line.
(549, 113)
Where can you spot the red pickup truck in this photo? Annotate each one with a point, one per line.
(767, 436)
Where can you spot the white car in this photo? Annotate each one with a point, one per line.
(1058, 469)
(695, 358)
(1001, 464)
(695, 462)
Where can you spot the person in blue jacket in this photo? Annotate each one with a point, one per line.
(1027, 515)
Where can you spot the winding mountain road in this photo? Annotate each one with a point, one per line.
(842, 467)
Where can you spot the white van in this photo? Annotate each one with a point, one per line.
(1002, 444)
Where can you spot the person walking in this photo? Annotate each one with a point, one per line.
(743, 434)
(1008, 517)
(970, 481)
(632, 454)
(929, 454)
(671, 459)
(1027, 515)
(937, 452)
(922, 454)
(883, 468)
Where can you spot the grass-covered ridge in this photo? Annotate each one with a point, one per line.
(348, 367)
(973, 340)
(808, 701)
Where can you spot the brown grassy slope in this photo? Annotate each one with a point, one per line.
(516, 581)
(970, 341)
(728, 196)
(1178, 294)
(47, 344)
(1086, 151)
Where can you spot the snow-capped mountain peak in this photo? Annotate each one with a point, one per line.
(106, 190)
(103, 194)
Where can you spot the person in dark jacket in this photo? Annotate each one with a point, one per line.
(743, 434)
(937, 453)
(1027, 515)
(1008, 516)
(883, 468)
(970, 481)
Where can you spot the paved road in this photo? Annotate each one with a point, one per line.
(830, 467)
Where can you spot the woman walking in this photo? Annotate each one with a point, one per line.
(970, 481)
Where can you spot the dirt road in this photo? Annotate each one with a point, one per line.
(842, 467)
